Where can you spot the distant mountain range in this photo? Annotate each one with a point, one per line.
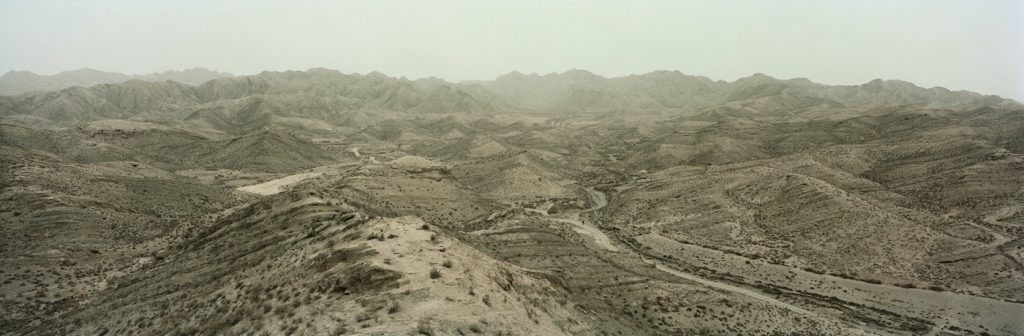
(329, 101)
(18, 82)
(580, 90)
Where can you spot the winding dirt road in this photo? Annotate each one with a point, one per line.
(945, 307)
(599, 201)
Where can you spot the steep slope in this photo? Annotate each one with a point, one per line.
(106, 101)
(524, 176)
(265, 150)
(69, 228)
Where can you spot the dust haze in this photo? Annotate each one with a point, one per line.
(959, 45)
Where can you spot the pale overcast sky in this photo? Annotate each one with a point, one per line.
(975, 45)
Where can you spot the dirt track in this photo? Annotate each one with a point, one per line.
(278, 185)
(734, 289)
(599, 201)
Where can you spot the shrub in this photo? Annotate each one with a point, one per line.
(424, 328)
(365, 316)
(394, 307)
(447, 264)
(435, 273)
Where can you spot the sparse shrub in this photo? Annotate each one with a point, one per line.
(435, 273)
(447, 264)
(433, 237)
(365, 316)
(424, 328)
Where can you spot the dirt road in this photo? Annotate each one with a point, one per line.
(734, 289)
(599, 201)
(278, 185)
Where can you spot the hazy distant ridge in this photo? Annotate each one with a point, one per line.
(328, 100)
(17, 82)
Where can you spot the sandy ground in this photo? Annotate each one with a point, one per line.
(278, 185)
(282, 184)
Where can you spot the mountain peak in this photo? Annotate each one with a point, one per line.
(19, 74)
(579, 74)
(758, 77)
(512, 75)
(377, 74)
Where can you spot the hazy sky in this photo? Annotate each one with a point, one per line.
(976, 45)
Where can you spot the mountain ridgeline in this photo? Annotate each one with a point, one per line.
(20, 82)
(330, 100)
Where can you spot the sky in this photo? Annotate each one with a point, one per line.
(975, 45)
